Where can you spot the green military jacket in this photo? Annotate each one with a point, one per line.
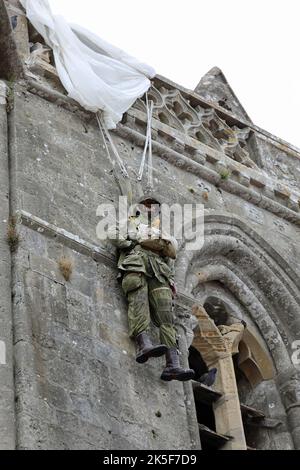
(135, 258)
(139, 259)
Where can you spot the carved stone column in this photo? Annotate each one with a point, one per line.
(217, 350)
(289, 386)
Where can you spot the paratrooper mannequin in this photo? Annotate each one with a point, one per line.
(146, 264)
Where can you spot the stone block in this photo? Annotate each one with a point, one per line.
(76, 379)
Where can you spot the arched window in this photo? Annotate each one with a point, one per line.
(226, 416)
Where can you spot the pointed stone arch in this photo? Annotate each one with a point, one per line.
(262, 282)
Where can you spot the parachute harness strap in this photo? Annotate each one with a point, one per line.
(109, 142)
(148, 146)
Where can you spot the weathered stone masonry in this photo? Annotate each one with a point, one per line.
(70, 379)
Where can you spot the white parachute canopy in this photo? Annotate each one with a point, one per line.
(96, 74)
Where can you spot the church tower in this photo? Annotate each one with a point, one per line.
(68, 376)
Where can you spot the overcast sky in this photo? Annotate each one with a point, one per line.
(255, 42)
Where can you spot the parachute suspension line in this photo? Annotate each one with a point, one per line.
(150, 159)
(148, 146)
(141, 171)
(104, 141)
(108, 140)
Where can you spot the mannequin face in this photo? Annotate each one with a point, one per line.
(149, 208)
(152, 210)
(148, 211)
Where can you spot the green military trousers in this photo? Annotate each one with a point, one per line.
(149, 300)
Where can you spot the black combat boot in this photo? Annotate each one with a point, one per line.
(173, 371)
(145, 348)
(209, 377)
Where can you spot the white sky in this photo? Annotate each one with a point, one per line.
(255, 42)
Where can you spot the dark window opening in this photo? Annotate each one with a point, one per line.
(216, 309)
(205, 415)
(251, 416)
(204, 399)
(14, 21)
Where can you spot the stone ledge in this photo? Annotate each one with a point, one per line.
(212, 176)
(81, 246)
(248, 176)
(252, 186)
(227, 115)
(65, 237)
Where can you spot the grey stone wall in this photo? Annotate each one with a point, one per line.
(77, 384)
(59, 153)
(274, 434)
(10, 64)
(70, 379)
